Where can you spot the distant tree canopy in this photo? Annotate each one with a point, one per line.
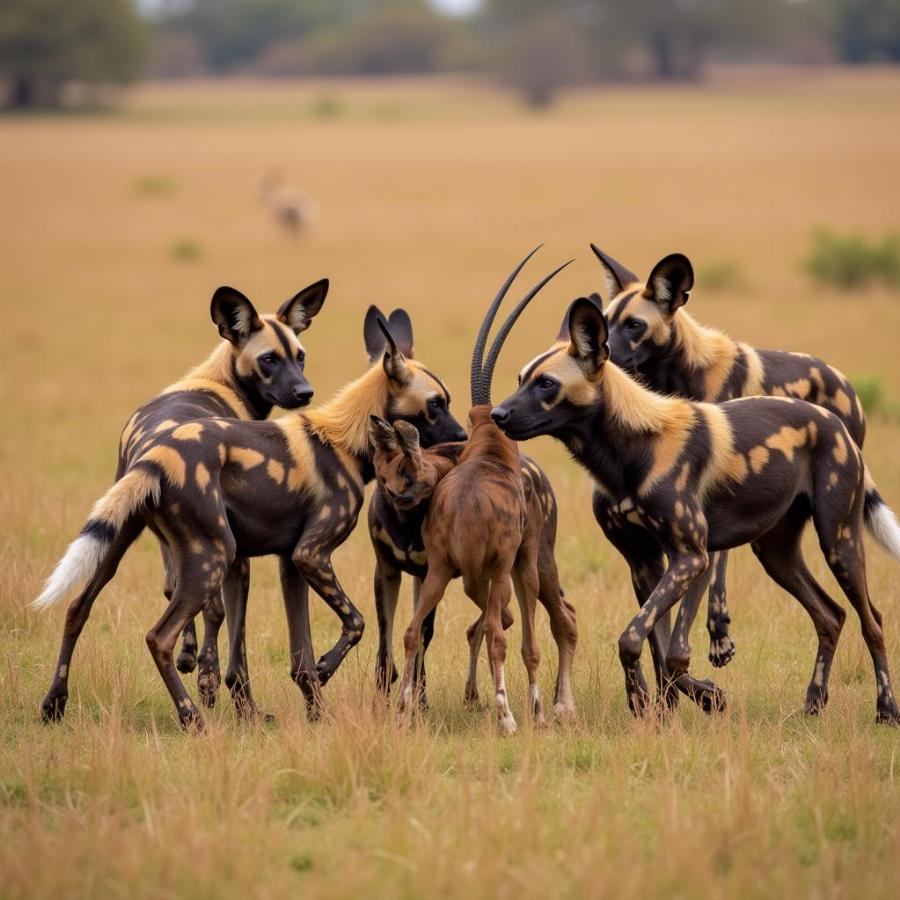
(867, 30)
(46, 44)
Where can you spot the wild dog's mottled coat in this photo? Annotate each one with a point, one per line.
(650, 334)
(258, 364)
(677, 479)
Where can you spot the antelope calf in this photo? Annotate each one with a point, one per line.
(407, 476)
(677, 480)
(483, 525)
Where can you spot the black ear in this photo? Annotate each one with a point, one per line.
(407, 437)
(563, 335)
(589, 335)
(381, 434)
(234, 315)
(401, 328)
(394, 361)
(670, 282)
(617, 276)
(302, 308)
(372, 334)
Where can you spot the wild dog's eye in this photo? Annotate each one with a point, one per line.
(635, 326)
(268, 359)
(301, 358)
(546, 384)
(436, 403)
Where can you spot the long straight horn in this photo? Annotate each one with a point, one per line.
(497, 346)
(475, 380)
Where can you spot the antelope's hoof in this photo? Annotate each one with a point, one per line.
(507, 724)
(53, 708)
(721, 651)
(187, 661)
(564, 712)
(470, 698)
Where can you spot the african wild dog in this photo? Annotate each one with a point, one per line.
(682, 479)
(219, 489)
(258, 365)
(651, 335)
(484, 523)
(407, 476)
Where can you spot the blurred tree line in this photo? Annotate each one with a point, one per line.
(537, 46)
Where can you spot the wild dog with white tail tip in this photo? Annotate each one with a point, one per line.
(652, 335)
(258, 365)
(677, 480)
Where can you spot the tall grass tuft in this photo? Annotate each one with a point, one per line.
(852, 261)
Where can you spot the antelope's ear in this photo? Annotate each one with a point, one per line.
(616, 275)
(670, 283)
(407, 437)
(381, 434)
(589, 335)
(401, 328)
(302, 308)
(372, 334)
(563, 335)
(234, 315)
(394, 361)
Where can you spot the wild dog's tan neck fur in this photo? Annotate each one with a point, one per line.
(703, 347)
(344, 421)
(214, 375)
(636, 409)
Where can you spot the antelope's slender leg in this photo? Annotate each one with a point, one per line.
(387, 589)
(498, 599)
(525, 583)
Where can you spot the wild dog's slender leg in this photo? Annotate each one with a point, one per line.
(842, 544)
(315, 566)
(433, 587)
(53, 706)
(387, 590)
(209, 676)
(684, 568)
(235, 590)
(194, 588)
(563, 628)
(781, 555)
(678, 656)
(187, 658)
(427, 635)
(525, 583)
(721, 646)
(295, 592)
(499, 596)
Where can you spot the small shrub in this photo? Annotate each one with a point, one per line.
(154, 185)
(186, 250)
(326, 107)
(301, 862)
(870, 391)
(721, 275)
(852, 261)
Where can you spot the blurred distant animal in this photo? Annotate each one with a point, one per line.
(258, 365)
(291, 208)
(651, 335)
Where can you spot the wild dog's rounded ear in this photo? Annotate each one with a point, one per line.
(394, 361)
(563, 335)
(303, 307)
(589, 335)
(401, 328)
(407, 437)
(670, 282)
(617, 276)
(372, 335)
(381, 434)
(234, 315)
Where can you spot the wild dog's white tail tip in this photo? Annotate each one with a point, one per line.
(885, 528)
(81, 560)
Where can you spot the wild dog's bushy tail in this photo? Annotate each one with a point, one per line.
(880, 519)
(109, 514)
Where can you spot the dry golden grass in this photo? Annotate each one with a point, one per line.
(429, 194)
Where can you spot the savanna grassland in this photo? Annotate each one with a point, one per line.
(114, 231)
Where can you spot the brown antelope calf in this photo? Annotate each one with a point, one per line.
(218, 489)
(483, 525)
(653, 336)
(407, 476)
(677, 480)
(258, 365)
